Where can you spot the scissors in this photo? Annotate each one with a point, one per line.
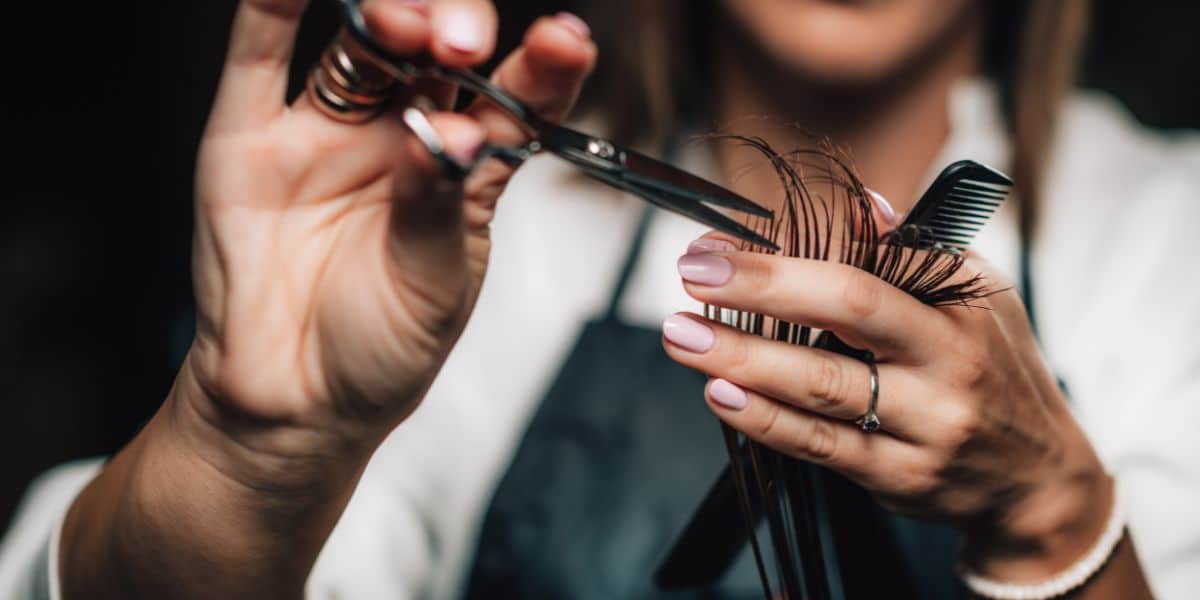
(652, 180)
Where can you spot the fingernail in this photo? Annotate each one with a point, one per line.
(705, 269)
(728, 395)
(419, 6)
(704, 245)
(575, 24)
(461, 30)
(688, 334)
(466, 153)
(885, 207)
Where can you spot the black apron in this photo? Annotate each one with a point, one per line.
(616, 459)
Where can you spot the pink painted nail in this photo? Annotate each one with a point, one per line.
(418, 6)
(705, 269)
(689, 334)
(704, 245)
(461, 29)
(466, 152)
(575, 24)
(883, 206)
(728, 395)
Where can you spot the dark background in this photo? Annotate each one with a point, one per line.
(103, 112)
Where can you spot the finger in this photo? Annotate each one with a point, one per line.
(815, 380)
(400, 26)
(254, 81)
(886, 218)
(462, 137)
(426, 246)
(405, 27)
(876, 460)
(464, 32)
(861, 309)
(546, 73)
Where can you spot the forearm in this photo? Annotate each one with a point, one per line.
(1055, 527)
(162, 520)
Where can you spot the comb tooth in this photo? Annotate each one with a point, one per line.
(952, 222)
(972, 225)
(970, 204)
(948, 228)
(966, 217)
(961, 227)
(974, 199)
(973, 189)
(955, 233)
(996, 185)
(965, 227)
(974, 193)
(1000, 187)
(981, 191)
(981, 215)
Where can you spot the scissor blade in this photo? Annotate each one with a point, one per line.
(686, 207)
(652, 173)
(597, 153)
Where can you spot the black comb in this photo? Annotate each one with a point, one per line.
(954, 208)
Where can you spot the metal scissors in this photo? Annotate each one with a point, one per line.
(652, 180)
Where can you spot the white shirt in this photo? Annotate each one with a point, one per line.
(1117, 285)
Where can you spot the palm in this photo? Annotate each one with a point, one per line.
(334, 267)
(298, 278)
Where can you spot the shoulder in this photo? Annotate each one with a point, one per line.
(1101, 147)
(1121, 202)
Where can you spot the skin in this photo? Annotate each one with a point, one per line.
(330, 293)
(330, 286)
(976, 431)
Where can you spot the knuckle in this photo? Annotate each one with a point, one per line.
(757, 274)
(862, 294)
(827, 380)
(973, 365)
(821, 444)
(962, 425)
(921, 483)
(734, 353)
(770, 418)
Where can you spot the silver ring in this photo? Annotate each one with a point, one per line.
(869, 422)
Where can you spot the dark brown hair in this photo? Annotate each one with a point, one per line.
(654, 65)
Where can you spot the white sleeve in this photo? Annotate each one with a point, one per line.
(1124, 298)
(29, 552)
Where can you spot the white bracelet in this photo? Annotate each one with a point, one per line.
(1059, 585)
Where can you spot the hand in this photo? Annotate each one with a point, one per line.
(975, 429)
(334, 269)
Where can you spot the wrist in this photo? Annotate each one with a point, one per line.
(1046, 528)
(189, 510)
(278, 446)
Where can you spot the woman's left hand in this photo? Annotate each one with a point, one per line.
(975, 430)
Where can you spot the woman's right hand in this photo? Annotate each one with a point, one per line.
(334, 269)
(334, 266)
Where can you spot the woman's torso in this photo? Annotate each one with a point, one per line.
(1113, 305)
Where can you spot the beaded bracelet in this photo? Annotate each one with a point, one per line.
(1059, 585)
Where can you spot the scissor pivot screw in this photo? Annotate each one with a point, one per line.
(601, 149)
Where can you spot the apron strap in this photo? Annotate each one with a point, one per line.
(629, 263)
